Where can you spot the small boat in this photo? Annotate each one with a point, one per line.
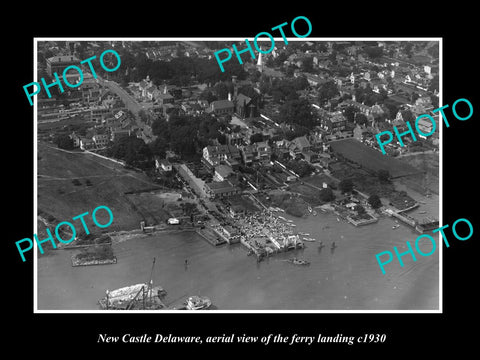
(198, 303)
(281, 217)
(314, 213)
(296, 261)
(291, 224)
(309, 239)
(338, 219)
(422, 212)
(309, 209)
(303, 234)
(395, 226)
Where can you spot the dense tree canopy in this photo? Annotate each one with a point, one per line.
(178, 71)
(133, 150)
(374, 201)
(297, 112)
(327, 91)
(63, 142)
(186, 134)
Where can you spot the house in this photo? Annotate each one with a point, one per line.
(325, 160)
(299, 145)
(248, 154)
(76, 139)
(100, 140)
(425, 127)
(163, 164)
(214, 154)
(360, 133)
(235, 138)
(164, 98)
(87, 144)
(263, 150)
(336, 122)
(310, 156)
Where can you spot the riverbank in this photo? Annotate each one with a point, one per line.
(347, 278)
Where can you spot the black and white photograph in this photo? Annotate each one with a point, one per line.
(201, 179)
(260, 187)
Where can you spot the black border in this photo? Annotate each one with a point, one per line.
(406, 333)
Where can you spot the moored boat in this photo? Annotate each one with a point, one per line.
(296, 261)
(196, 302)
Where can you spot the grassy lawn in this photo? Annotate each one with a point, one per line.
(72, 184)
(372, 159)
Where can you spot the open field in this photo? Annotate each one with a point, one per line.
(72, 183)
(372, 159)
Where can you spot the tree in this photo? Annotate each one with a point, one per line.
(349, 113)
(297, 112)
(133, 150)
(361, 119)
(258, 137)
(374, 201)
(346, 185)
(327, 91)
(300, 83)
(221, 90)
(326, 195)
(208, 95)
(64, 142)
(383, 175)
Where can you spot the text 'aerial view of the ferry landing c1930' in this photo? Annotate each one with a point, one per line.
(260, 187)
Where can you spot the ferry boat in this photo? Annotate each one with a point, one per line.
(196, 302)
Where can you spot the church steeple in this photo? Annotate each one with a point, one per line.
(260, 62)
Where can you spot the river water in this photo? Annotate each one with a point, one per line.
(347, 278)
